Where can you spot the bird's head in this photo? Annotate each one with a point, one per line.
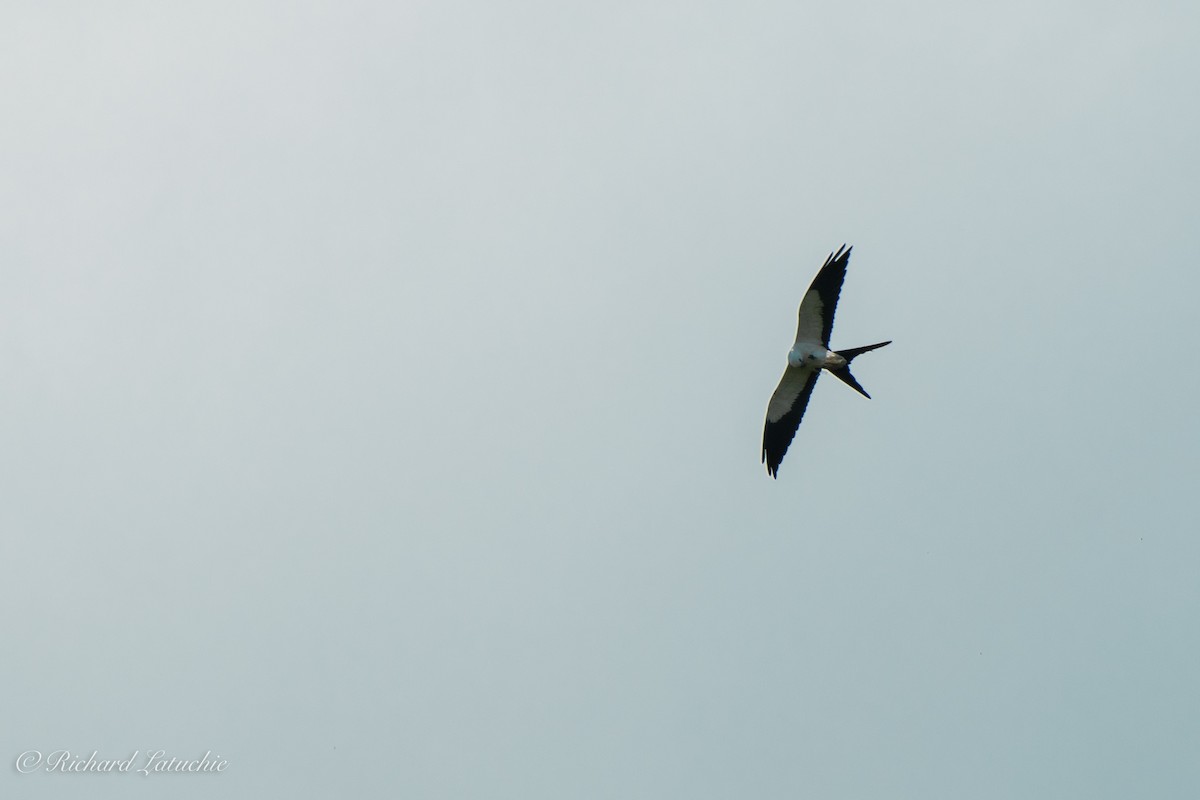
(802, 357)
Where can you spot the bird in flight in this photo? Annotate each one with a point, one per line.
(808, 356)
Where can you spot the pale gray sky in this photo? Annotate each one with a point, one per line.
(382, 386)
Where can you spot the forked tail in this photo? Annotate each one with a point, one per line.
(844, 372)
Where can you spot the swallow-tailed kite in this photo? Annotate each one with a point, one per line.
(809, 355)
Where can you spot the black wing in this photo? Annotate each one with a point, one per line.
(820, 301)
(784, 413)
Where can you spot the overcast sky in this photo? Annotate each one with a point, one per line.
(382, 389)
